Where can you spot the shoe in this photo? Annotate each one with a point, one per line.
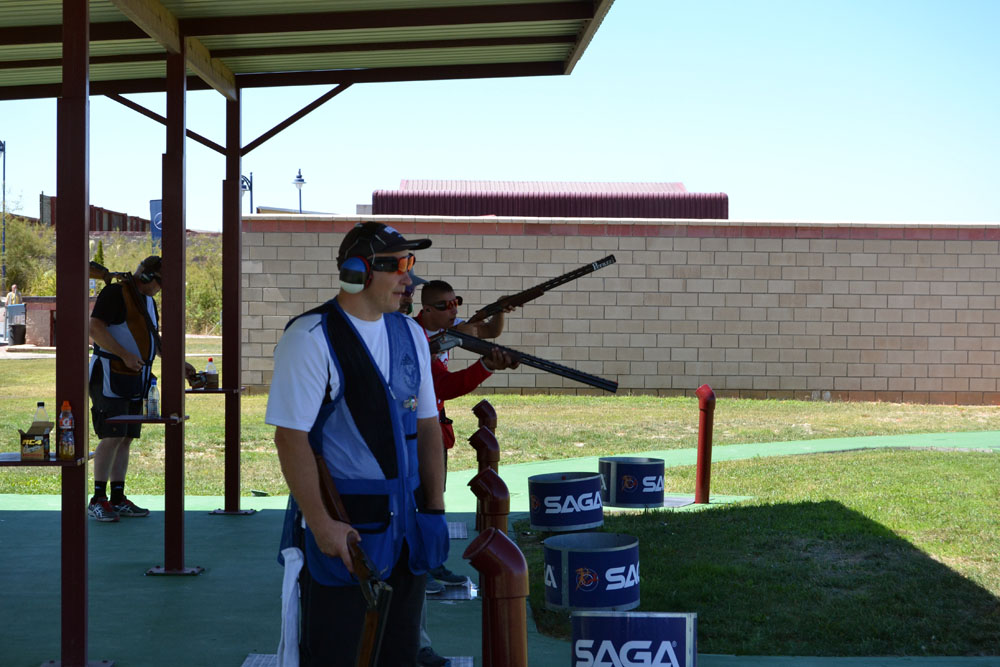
(129, 509)
(102, 511)
(428, 657)
(447, 577)
(433, 587)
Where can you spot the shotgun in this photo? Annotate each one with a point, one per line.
(100, 272)
(521, 298)
(377, 593)
(450, 338)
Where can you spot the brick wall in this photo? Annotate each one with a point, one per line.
(895, 312)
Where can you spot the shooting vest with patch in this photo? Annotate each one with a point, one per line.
(367, 435)
(134, 335)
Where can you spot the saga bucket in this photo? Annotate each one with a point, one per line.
(565, 501)
(634, 638)
(592, 571)
(631, 481)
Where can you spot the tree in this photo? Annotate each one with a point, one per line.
(99, 255)
(204, 283)
(203, 289)
(30, 259)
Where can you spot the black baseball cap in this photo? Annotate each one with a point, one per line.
(367, 239)
(152, 265)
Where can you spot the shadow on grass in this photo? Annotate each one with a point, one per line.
(809, 578)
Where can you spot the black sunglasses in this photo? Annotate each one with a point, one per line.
(447, 305)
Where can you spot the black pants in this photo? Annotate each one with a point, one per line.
(333, 616)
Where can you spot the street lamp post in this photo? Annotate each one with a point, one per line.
(3, 234)
(298, 183)
(246, 185)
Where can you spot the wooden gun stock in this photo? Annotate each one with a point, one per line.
(100, 272)
(376, 592)
(521, 298)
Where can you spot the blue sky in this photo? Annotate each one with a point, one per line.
(878, 110)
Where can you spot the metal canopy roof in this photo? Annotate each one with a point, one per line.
(259, 43)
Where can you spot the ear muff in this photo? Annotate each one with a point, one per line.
(355, 273)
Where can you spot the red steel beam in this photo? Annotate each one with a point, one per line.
(72, 326)
(232, 252)
(172, 364)
(305, 49)
(52, 34)
(527, 40)
(387, 74)
(328, 78)
(309, 108)
(124, 101)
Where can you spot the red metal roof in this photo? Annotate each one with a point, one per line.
(549, 200)
(537, 186)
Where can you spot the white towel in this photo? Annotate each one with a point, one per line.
(288, 646)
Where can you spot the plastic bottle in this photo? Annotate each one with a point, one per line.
(153, 401)
(66, 448)
(211, 375)
(40, 414)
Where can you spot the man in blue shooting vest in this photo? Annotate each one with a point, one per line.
(352, 381)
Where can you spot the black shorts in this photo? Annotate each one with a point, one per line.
(104, 407)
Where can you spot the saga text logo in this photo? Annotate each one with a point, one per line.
(550, 577)
(631, 654)
(617, 577)
(652, 483)
(585, 502)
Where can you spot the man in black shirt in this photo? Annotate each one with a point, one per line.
(124, 328)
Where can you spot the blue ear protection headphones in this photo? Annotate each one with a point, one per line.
(356, 269)
(355, 274)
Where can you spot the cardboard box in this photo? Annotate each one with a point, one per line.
(35, 441)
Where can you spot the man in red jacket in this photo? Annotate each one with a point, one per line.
(439, 310)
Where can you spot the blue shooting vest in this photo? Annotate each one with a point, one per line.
(382, 493)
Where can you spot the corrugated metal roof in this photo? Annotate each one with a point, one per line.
(537, 186)
(274, 42)
(550, 200)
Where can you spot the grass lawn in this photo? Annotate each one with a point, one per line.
(885, 552)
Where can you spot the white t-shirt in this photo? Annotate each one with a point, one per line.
(303, 368)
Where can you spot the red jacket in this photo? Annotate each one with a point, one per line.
(448, 385)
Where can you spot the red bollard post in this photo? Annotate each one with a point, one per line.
(487, 449)
(493, 500)
(486, 415)
(503, 573)
(706, 407)
(488, 456)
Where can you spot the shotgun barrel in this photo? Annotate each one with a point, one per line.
(453, 338)
(521, 298)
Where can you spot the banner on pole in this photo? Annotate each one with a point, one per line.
(156, 221)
